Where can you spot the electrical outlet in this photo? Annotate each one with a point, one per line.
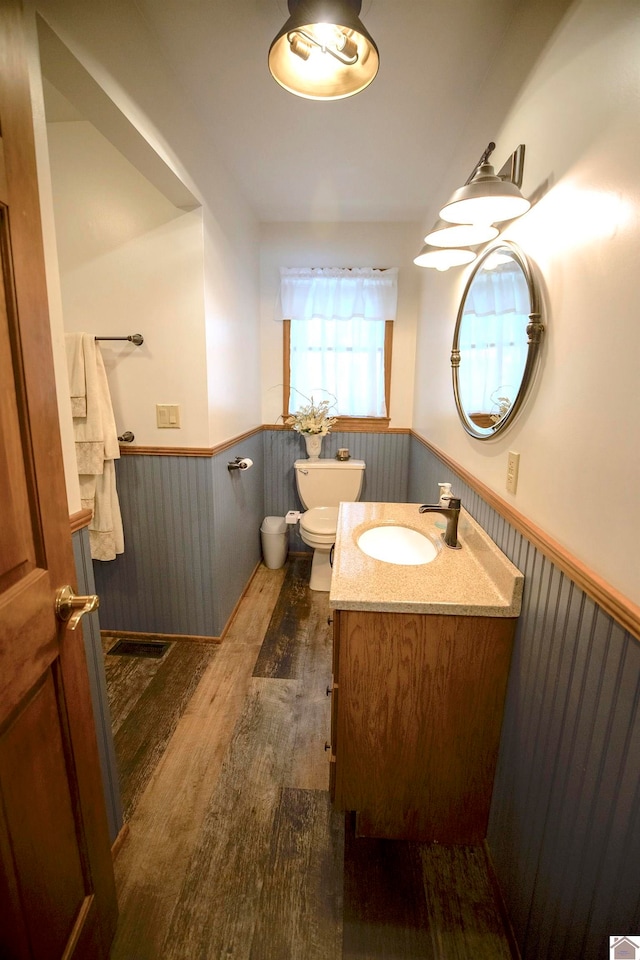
(513, 465)
(168, 416)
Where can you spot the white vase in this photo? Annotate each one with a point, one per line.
(313, 443)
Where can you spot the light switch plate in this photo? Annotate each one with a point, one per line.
(513, 465)
(168, 416)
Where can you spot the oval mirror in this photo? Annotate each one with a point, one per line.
(496, 340)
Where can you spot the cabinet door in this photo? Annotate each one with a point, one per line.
(334, 707)
(418, 722)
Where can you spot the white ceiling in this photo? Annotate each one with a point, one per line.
(381, 155)
(369, 157)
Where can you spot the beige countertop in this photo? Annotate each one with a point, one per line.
(477, 580)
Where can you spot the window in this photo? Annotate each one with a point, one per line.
(493, 340)
(338, 326)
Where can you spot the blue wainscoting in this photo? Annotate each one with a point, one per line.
(564, 830)
(386, 475)
(97, 684)
(192, 527)
(191, 542)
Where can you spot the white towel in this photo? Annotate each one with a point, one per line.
(98, 494)
(75, 368)
(95, 433)
(96, 445)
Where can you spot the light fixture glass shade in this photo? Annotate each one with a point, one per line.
(324, 52)
(485, 199)
(441, 259)
(444, 234)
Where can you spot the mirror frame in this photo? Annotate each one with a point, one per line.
(535, 331)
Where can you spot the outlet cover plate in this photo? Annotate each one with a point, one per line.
(513, 466)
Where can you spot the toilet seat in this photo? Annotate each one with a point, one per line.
(320, 522)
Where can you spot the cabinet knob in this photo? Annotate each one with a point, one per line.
(327, 745)
(329, 691)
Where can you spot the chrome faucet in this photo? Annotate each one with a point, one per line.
(452, 513)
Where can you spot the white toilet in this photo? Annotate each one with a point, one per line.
(322, 485)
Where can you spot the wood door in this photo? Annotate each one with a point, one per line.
(57, 892)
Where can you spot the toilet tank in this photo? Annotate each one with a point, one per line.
(326, 483)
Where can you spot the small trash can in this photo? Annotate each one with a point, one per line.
(273, 533)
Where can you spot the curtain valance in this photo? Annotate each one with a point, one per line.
(337, 293)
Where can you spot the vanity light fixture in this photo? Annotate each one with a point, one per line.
(443, 234)
(323, 51)
(467, 219)
(441, 258)
(489, 197)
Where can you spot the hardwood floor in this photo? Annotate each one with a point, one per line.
(147, 697)
(233, 848)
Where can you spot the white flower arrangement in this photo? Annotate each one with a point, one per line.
(312, 419)
(504, 405)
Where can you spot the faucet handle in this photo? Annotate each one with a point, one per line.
(454, 503)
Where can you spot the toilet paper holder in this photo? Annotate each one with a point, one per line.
(240, 463)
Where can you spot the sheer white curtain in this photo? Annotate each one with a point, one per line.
(493, 339)
(338, 320)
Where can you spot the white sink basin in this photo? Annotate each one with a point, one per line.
(394, 544)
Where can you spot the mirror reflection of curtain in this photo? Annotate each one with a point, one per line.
(493, 339)
(337, 334)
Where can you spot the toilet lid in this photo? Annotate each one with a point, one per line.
(321, 520)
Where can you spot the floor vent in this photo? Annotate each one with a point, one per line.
(151, 649)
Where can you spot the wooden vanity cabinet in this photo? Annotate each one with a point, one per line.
(416, 716)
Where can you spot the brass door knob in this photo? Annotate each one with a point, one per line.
(70, 608)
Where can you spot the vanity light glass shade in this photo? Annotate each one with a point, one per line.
(486, 199)
(324, 52)
(444, 234)
(442, 258)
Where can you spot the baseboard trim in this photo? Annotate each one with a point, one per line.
(612, 601)
(136, 635)
(119, 841)
(502, 907)
(241, 598)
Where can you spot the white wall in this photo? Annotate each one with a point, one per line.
(233, 335)
(113, 44)
(131, 262)
(340, 245)
(579, 434)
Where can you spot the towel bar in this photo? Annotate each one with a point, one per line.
(135, 338)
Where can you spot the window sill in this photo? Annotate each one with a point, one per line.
(355, 424)
(361, 424)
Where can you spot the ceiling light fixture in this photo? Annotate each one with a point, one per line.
(488, 197)
(440, 258)
(323, 51)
